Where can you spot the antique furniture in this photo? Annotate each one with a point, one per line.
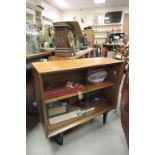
(90, 52)
(86, 101)
(66, 38)
(33, 14)
(34, 57)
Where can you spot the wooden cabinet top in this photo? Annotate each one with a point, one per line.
(56, 66)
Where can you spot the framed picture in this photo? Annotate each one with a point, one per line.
(98, 19)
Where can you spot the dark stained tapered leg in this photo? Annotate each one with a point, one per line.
(60, 139)
(105, 117)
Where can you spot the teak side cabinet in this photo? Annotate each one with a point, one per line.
(59, 72)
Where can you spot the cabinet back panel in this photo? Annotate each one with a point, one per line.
(59, 79)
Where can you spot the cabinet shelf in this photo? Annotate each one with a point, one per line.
(100, 32)
(87, 88)
(100, 38)
(100, 108)
(114, 32)
(116, 24)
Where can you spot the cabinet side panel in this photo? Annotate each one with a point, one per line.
(40, 99)
(120, 71)
(115, 74)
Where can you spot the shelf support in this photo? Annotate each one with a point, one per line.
(105, 117)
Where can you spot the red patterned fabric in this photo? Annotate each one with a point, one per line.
(61, 91)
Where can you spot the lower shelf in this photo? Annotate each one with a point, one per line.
(100, 108)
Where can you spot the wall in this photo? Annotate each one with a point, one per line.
(87, 14)
(51, 12)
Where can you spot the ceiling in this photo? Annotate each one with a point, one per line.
(85, 4)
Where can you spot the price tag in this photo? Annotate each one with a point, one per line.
(80, 95)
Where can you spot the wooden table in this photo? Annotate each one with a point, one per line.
(44, 52)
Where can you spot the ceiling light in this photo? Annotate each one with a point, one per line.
(62, 3)
(99, 1)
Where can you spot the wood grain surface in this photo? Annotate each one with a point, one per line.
(56, 66)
